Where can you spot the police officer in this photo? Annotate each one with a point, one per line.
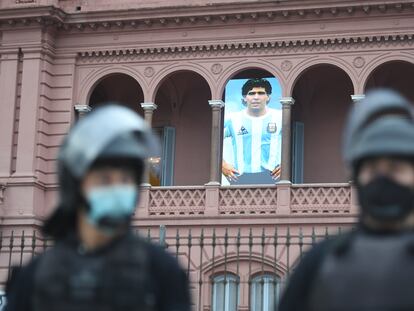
(97, 263)
(371, 268)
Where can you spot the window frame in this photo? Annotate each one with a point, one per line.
(227, 279)
(271, 283)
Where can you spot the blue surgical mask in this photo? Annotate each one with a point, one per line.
(111, 205)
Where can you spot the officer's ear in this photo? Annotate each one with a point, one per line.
(243, 101)
(268, 99)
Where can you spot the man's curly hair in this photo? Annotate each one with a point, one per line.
(252, 83)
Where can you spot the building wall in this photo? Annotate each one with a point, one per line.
(54, 55)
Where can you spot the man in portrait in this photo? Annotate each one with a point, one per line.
(252, 138)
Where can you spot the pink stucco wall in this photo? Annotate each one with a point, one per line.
(49, 64)
(179, 59)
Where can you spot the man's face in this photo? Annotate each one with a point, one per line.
(257, 99)
(400, 171)
(107, 176)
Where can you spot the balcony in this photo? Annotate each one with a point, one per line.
(283, 199)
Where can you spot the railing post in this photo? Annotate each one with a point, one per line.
(212, 199)
(354, 210)
(283, 197)
(144, 201)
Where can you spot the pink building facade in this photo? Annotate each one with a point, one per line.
(170, 62)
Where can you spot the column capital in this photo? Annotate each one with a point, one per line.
(149, 106)
(357, 97)
(287, 101)
(82, 109)
(216, 103)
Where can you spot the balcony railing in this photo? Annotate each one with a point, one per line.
(280, 199)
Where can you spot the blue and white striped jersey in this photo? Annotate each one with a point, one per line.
(255, 141)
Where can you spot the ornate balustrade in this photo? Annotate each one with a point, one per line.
(247, 200)
(280, 199)
(177, 201)
(321, 198)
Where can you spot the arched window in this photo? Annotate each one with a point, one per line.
(225, 292)
(264, 293)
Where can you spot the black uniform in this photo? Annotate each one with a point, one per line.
(361, 271)
(373, 267)
(128, 274)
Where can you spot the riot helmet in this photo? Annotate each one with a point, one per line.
(109, 135)
(381, 126)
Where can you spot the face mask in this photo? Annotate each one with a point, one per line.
(111, 206)
(385, 199)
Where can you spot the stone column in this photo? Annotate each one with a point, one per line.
(29, 111)
(82, 110)
(357, 97)
(215, 156)
(148, 113)
(8, 91)
(286, 168)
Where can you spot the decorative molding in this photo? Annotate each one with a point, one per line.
(82, 109)
(286, 65)
(357, 97)
(149, 72)
(216, 68)
(246, 48)
(216, 103)
(194, 15)
(287, 101)
(149, 106)
(358, 62)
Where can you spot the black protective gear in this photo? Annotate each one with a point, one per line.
(384, 199)
(162, 275)
(369, 273)
(93, 139)
(370, 268)
(382, 124)
(68, 280)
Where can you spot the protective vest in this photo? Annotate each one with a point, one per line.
(115, 279)
(369, 272)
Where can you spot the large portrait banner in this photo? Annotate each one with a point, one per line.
(252, 134)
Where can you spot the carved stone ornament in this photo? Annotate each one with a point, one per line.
(359, 62)
(216, 68)
(286, 65)
(149, 72)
